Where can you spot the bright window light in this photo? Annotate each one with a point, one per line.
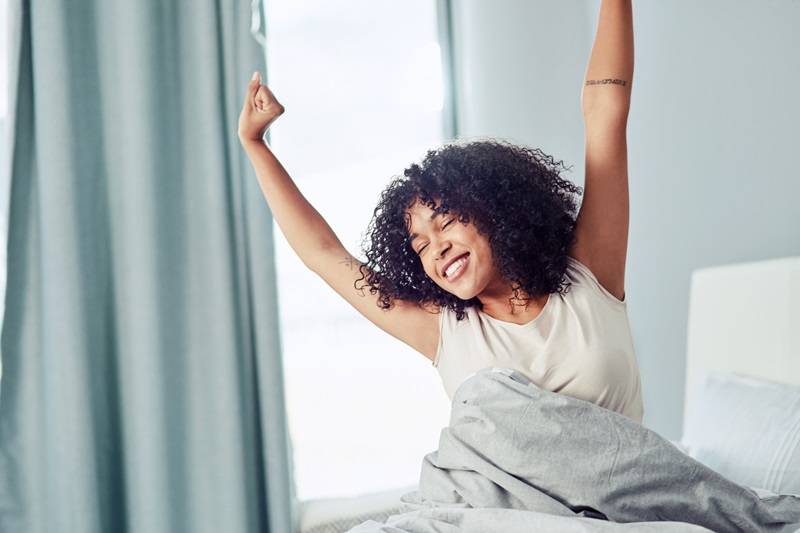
(362, 85)
(4, 185)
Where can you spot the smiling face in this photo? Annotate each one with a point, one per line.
(454, 255)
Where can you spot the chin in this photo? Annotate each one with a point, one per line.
(465, 295)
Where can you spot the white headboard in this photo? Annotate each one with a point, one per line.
(744, 319)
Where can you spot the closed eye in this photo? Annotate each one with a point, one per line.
(448, 222)
(421, 249)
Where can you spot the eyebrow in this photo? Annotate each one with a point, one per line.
(414, 235)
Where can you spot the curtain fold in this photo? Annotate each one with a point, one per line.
(142, 380)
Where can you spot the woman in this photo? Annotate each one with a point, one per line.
(477, 257)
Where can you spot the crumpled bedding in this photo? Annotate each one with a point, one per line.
(517, 458)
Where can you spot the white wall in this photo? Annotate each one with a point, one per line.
(714, 138)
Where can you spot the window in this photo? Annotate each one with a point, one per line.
(362, 85)
(4, 178)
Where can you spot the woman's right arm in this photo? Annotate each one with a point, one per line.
(312, 238)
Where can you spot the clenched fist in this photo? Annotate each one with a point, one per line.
(261, 108)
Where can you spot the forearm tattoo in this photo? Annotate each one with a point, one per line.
(607, 81)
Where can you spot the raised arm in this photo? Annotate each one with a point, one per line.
(602, 228)
(310, 236)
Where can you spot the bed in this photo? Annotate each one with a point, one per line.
(742, 419)
(742, 398)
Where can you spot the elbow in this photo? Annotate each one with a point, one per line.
(314, 261)
(606, 113)
(604, 104)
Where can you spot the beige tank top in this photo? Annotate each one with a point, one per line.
(579, 345)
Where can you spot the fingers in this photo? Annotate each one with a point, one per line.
(260, 109)
(258, 96)
(265, 102)
(262, 98)
(253, 87)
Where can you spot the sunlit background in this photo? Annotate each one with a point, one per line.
(362, 85)
(4, 47)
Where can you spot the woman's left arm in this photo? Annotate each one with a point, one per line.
(602, 227)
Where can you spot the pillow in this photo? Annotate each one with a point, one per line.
(747, 430)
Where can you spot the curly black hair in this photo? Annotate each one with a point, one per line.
(514, 195)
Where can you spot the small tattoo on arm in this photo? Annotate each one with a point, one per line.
(607, 81)
(350, 262)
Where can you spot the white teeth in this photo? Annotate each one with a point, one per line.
(454, 267)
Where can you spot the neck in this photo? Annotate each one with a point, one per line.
(517, 311)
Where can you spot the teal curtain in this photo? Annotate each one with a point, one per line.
(142, 381)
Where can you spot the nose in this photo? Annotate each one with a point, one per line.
(440, 248)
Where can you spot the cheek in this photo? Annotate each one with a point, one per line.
(429, 270)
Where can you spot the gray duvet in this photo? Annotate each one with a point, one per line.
(516, 458)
